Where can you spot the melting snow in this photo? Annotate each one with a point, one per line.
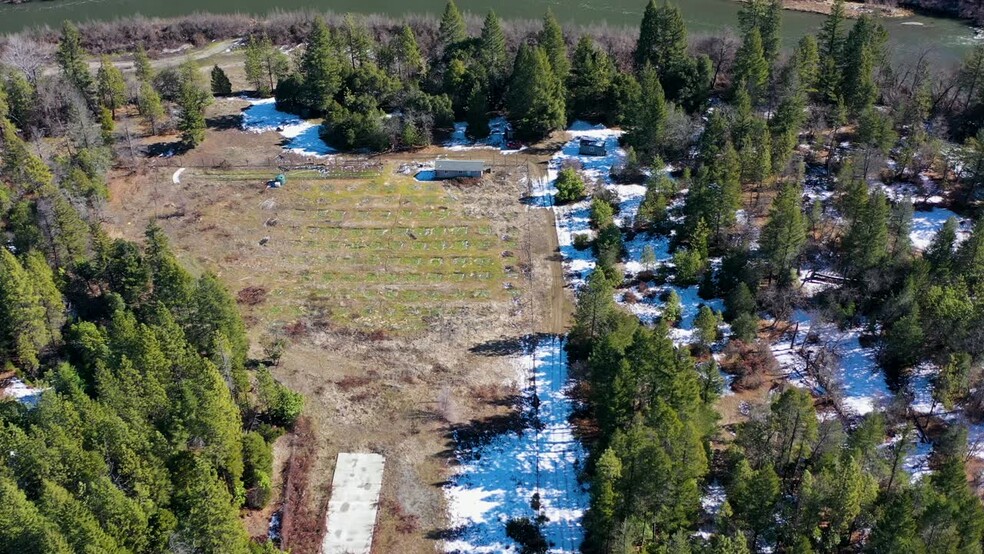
(301, 135)
(18, 390)
(498, 478)
(498, 127)
(925, 225)
(861, 383)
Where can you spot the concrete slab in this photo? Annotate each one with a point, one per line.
(351, 517)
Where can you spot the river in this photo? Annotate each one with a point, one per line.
(948, 39)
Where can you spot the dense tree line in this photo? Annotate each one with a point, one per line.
(792, 481)
(153, 428)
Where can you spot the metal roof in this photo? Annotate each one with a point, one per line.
(459, 165)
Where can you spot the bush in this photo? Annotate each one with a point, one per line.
(602, 214)
(745, 327)
(527, 534)
(582, 241)
(689, 266)
(288, 407)
(258, 466)
(570, 186)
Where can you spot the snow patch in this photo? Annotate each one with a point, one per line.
(497, 477)
(302, 136)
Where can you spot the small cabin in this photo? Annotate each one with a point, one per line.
(592, 147)
(459, 169)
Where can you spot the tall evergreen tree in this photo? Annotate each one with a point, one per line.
(72, 58)
(551, 39)
(492, 48)
(751, 68)
(784, 234)
(535, 101)
(407, 53)
(649, 117)
(452, 30)
(830, 40)
(590, 83)
(111, 86)
(142, 65)
(23, 332)
(220, 83)
(320, 69)
(663, 44)
(192, 101)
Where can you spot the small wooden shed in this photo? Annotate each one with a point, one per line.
(457, 169)
(592, 147)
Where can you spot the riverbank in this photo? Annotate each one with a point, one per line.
(851, 9)
(113, 27)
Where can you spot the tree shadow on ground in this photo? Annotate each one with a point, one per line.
(511, 346)
(225, 122)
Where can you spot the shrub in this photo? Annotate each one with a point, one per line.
(570, 186)
(745, 327)
(582, 241)
(602, 214)
(527, 534)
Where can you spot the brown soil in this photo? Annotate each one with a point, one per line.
(396, 393)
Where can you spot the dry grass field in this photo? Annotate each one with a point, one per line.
(395, 296)
(376, 252)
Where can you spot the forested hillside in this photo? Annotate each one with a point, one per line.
(153, 429)
(782, 186)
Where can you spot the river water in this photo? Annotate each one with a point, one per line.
(948, 39)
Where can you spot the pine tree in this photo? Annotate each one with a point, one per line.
(142, 66)
(648, 122)
(112, 87)
(606, 499)
(551, 39)
(76, 522)
(589, 85)
(211, 523)
(866, 243)
(940, 251)
(43, 283)
(72, 58)
(706, 325)
(754, 499)
(672, 309)
(23, 529)
(807, 58)
(408, 55)
(25, 171)
(831, 43)
(192, 103)
(899, 229)
(150, 107)
(452, 30)
(751, 68)
(23, 332)
(771, 31)
(221, 85)
(478, 111)
(896, 530)
(355, 41)
(784, 234)
(492, 48)
(535, 101)
(595, 306)
(663, 44)
(20, 100)
(320, 69)
(570, 186)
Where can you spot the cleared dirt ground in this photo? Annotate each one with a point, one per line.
(399, 300)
